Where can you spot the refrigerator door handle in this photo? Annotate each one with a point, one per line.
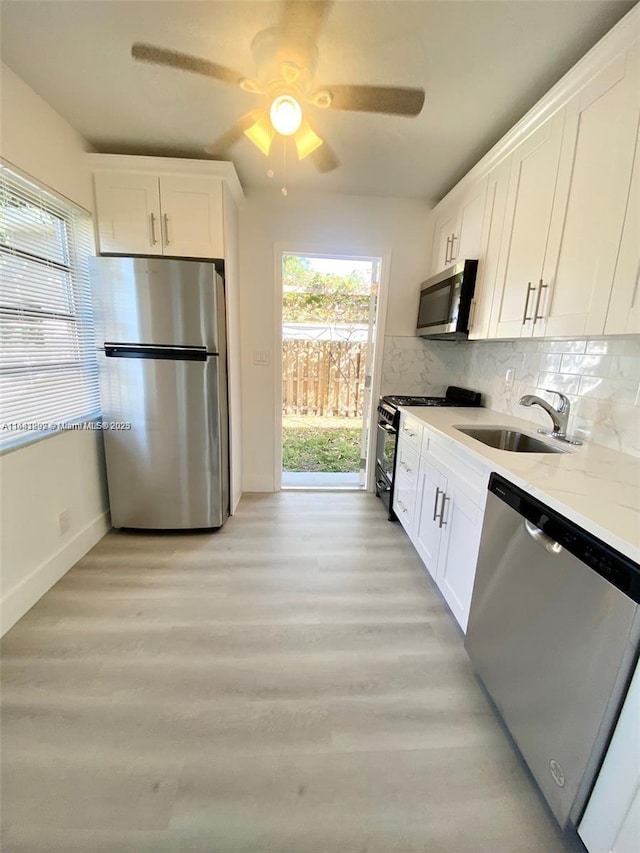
(174, 353)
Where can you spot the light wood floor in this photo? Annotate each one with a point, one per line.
(292, 684)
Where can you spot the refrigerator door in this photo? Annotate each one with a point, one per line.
(157, 301)
(170, 470)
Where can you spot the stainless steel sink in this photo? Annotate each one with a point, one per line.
(503, 438)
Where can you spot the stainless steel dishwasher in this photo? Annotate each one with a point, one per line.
(553, 635)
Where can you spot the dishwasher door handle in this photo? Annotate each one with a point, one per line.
(539, 536)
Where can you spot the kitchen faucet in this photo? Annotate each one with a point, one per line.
(559, 416)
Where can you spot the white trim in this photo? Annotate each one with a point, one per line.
(24, 595)
(316, 251)
(609, 48)
(174, 166)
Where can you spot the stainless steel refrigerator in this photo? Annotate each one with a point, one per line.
(161, 336)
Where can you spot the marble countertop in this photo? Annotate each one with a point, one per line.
(596, 487)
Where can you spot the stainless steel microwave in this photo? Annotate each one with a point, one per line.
(445, 302)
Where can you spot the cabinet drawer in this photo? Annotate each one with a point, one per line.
(472, 473)
(410, 432)
(408, 460)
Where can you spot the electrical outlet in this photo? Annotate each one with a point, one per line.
(64, 522)
(509, 376)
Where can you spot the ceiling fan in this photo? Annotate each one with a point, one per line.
(286, 57)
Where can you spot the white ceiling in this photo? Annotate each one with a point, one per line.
(482, 64)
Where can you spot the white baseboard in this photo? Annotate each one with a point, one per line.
(23, 596)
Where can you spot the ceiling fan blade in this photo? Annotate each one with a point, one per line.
(393, 100)
(184, 61)
(231, 136)
(324, 158)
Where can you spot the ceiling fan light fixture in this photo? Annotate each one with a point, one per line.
(285, 115)
(261, 134)
(306, 141)
(322, 99)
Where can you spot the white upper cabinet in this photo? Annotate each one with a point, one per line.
(523, 255)
(458, 228)
(141, 214)
(192, 216)
(445, 226)
(558, 238)
(493, 224)
(623, 316)
(128, 213)
(597, 152)
(163, 206)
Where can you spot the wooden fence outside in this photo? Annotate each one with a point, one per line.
(323, 378)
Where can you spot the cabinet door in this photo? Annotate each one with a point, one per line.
(623, 316)
(404, 501)
(462, 526)
(192, 219)
(597, 151)
(532, 185)
(493, 224)
(427, 531)
(468, 233)
(444, 230)
(128, 213)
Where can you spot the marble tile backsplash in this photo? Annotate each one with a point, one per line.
(601, 377)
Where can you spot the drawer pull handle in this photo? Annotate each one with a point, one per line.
(402, 506)
(405, 467)
(444, 502)
(435, 504)
(530, 290)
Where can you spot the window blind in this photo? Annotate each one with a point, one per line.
(48, 368)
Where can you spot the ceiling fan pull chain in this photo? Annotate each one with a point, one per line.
(284, 190)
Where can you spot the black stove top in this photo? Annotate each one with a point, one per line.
(454, 396)
(400, 400)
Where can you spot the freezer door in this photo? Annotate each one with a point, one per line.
(157, 301)
(170, 470)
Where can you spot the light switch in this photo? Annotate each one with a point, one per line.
(261, 357)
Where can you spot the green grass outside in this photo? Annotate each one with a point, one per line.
(321, 444)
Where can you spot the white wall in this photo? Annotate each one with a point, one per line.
(356, 225)
(65, 471)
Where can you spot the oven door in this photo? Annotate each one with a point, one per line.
(386, 449)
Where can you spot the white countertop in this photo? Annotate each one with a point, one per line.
(596, 487)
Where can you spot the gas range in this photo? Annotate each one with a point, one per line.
(387, 432)
(454, 396)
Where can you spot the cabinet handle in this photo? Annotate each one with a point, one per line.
(472, 314)
(435, 504)
(444, 501)
(166, 230)
(446, 252)
(405, 467)
(530, 290)
(537, 316)
(453, 239)
(408, 432)
(635, 287)
(154, 239)
(402, 506)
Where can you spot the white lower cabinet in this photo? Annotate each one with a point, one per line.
(461, 523)
(446, 529)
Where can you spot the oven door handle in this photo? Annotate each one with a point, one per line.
(387, 428)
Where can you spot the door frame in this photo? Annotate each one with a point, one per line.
(323, 251)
